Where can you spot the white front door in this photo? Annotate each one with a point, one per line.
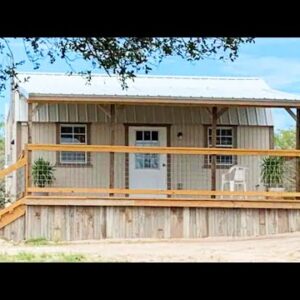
(147, 170)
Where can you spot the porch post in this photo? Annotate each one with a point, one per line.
(213, 144)
(298, 147)
(112, 142)
(28, 152)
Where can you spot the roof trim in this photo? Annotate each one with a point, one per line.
(133, 100)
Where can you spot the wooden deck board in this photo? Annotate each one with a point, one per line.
(208, 203)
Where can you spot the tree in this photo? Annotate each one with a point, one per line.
(285, 139)
(123, 57)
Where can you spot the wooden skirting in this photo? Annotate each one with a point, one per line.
(15, 230)
(114, 222)
(83, 218)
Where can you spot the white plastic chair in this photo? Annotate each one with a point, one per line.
(236, 176)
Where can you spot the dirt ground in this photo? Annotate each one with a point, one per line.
(276, 248)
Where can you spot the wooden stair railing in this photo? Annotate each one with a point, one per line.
(12, 212)
(19, 164)
(16, 209)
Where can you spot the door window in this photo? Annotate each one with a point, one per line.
(147, 138)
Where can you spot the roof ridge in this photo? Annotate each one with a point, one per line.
(146, 76)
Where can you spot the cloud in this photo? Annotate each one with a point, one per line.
(279, 72)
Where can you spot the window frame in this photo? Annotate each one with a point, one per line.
(233, 145)
(72, 163)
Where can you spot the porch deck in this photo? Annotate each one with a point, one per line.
(86, 218)
(96, 201)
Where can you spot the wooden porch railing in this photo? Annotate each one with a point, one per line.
(44, 148)
(163, 150)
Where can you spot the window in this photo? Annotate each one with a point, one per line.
(224, 140)
(147, 160)
(73, 134)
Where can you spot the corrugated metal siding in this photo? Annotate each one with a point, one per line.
(24, 140)
(186, 170)
(95, 176)
(151, 115)
(269, 116)
(70, 113)
(256, 138)
(44, 133)
(189, 171)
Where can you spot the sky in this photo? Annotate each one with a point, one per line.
(276, 60)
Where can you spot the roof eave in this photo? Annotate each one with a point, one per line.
(162, 100)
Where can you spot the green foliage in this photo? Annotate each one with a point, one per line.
(123, 57)
(272, 169)
(44, 257)
(25, 256)
(42, 173)
(37, 242)
(285, 139)
(72, 257)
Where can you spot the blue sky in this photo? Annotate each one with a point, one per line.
(276, 60)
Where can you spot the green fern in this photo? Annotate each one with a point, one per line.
(272, 171)
(42, 173)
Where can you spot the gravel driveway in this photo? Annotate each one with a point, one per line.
(277, 248)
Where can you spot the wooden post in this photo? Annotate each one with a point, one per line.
(112, 142)
(28, 152)
(213, 144)
(26, 171)
(298, 147)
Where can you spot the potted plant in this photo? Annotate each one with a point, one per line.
(272, 173)
(42, 174)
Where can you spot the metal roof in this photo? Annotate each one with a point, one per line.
(176, 87)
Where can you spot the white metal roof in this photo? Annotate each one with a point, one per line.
(188, 87)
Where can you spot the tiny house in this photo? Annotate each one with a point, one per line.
(165, 142)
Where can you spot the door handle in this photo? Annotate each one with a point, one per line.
(163, 165)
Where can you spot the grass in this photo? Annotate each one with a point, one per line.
(55, 257)
(72, 257)
(37, 242)
(44, 257)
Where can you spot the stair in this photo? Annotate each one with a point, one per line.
(16, 209)
(12, 212)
